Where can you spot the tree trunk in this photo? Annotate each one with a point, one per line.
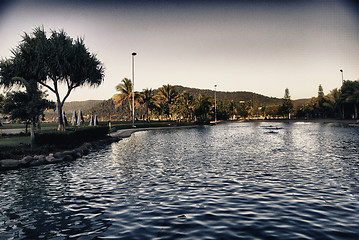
(355, 111)
(148, 112)
(61, 126)
(32, 134)
(26, 126)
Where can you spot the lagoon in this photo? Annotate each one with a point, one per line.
(255, 180)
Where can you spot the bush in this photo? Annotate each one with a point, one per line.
(75, 136)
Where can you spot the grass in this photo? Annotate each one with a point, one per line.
(12, 141)
(13, 126)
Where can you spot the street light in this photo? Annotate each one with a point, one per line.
(215, 103)
(341, 70)
(133, 89)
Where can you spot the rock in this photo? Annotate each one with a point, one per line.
(68, 158)
(72, 153)
(84, 150)
(50, 159)
(38, 160)
(59, 155)
(54, 160)
(26, 160)
(79, 152)
(10, 163)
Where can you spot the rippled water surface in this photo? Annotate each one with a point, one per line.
(230, 181)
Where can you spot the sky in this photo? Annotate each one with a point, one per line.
(261, 46)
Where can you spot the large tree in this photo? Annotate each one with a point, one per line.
(70, 63)
(53, 62)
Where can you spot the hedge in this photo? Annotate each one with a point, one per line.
(71, 137)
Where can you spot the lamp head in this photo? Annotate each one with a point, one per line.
(134, 54)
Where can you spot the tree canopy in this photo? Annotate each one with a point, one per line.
(51, 62)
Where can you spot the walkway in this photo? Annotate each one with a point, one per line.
(124, 133)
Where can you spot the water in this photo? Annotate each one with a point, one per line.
(230, 181)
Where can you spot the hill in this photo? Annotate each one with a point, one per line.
(302, 101)
(69, 108)
(232, 96)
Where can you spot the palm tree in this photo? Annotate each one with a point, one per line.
(147, 98)
(167, 95)
(184, 105)
(203, 105)
(125, 89)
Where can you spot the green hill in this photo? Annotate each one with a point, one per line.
(237, 97)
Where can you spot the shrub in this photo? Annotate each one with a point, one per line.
(75, 136)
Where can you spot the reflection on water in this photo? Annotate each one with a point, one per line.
(244, 181)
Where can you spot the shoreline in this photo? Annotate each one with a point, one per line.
(325, 120)
(124, 133)
(70, 155)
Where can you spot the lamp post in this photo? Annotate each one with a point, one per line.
(215, 103)
(341, 70)
(133, 89)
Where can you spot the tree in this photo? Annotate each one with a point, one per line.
(1, 101)
(25, 69)
(125, 95)
(184, 106)
(332, 103)
(70, 63)
(54, 61)
(203, 106)
(320, 102)
(254, 111)
(287, 105)
(232, 108)
(147, 98)
(125, 89)
(243, 109)
(350, 95)
(27, 106)
(223, 111)
(167, 95)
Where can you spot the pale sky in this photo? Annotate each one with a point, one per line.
(262, 46)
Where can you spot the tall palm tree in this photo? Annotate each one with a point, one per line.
(147, 98)
(125, 89)
(167, 95)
